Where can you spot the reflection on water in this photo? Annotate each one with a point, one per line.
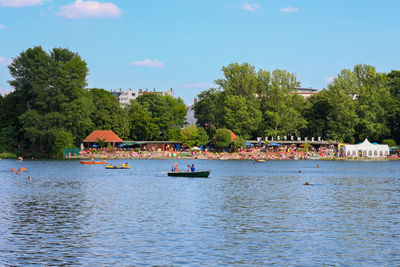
(244, 214)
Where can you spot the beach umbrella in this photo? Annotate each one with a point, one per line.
(273, 144)
(195, 148)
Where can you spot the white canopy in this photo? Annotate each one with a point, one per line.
(366, 149)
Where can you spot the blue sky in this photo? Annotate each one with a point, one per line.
(183, 44)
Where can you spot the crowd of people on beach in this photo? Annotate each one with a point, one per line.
(266, 153)
(251, 153)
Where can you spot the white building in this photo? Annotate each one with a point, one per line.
(305, 92)
(124, 97)
(366, 149)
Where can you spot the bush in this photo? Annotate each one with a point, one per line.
(6, 155)
(389, 142)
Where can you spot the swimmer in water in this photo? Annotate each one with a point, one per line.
(30, 178)
(306, 183)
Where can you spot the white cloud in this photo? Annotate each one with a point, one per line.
(149, 63)
(89, 9)
(20, 3)
(289, 9)
(5, 61)
(329, 79)
(197, 85)
(2, 26)
(250, 7)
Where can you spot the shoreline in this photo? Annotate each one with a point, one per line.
(250, 156)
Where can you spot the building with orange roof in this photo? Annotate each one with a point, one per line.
(106, 136)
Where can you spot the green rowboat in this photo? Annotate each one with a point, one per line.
(201, 174)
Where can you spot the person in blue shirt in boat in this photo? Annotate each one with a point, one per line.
(192, 169)
(175, 168)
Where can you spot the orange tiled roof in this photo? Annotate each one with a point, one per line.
(106, 136)
(233, 135)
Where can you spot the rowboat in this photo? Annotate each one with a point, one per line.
(202, 174)
(93, 162)
(118, 167)
(260, 160)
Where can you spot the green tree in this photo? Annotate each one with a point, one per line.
(208, 109)
(223, 138)
(189, 136)
(361, 100)
(49, 96)
(202, 137)
(166, 112)
(238, 142)
(239, 79)
(141, 123)
(281, 109)
(63, 139)
(252, 103)
(394, 109)
(242, 115)
(107, 113)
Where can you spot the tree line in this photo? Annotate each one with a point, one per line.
(359, 103)
(51, 107)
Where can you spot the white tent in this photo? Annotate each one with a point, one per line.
(366, 149)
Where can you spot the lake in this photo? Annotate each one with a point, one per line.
(243, 214)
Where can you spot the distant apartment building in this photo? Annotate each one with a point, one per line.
(190, 118)
(124, 97)
(305, 92)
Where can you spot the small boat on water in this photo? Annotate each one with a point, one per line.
(93, 162)
(260, 160)
(118, 167)
(199, 174)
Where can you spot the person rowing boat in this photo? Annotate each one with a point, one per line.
(175, 168)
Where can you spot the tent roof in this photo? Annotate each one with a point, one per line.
(107, 136)
(366, 145)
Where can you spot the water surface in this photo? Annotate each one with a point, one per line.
(243, 214)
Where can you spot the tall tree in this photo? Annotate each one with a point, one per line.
(49, 92)
(141, 125)
(394, 110)
(108, 114)
(167, 113)
(208, 109)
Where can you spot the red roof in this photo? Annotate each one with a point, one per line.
(106, 136)
(233, 135)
